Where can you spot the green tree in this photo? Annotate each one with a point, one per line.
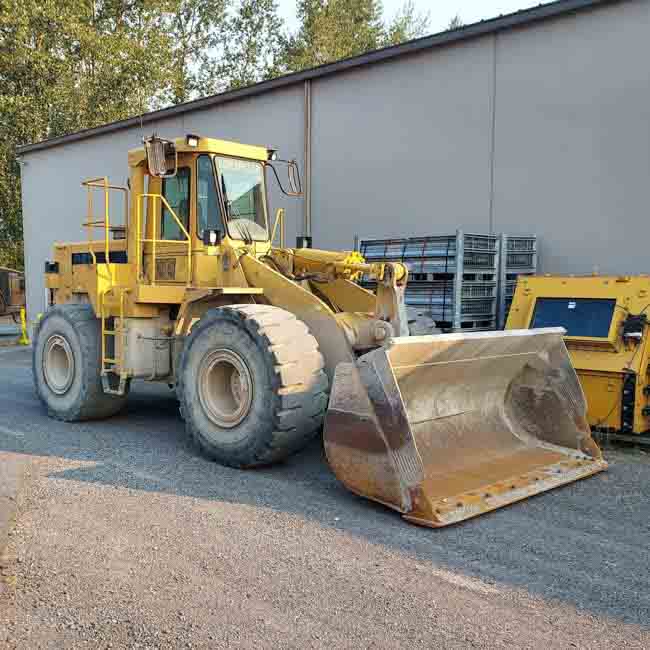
(407, 24)
(11, 231)
(253, 42)
(196, 29)
(335, 29)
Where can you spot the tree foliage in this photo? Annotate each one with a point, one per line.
(251, 47)
(408, 23)
(335, 29)
(196, 30)
(456, 22)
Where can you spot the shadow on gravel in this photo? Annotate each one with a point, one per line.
(585, 544)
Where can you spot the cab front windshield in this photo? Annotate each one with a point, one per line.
(242, 184)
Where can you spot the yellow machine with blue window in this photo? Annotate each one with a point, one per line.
(606, 318)
(190, 289)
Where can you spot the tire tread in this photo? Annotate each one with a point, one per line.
(299, 383)
(93, 403)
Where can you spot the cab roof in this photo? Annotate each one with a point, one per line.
(207, 145)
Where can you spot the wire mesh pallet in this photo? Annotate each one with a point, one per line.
(518, 257)
(452, 278)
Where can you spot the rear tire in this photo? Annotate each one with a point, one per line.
(251, 385)
(66, 364)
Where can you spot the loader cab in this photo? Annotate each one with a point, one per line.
(211, 190)
(213, 196)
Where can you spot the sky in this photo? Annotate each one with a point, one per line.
(440, 11)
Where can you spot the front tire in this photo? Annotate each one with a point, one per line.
(66, 364)
(251, 385)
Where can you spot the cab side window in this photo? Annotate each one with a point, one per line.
(176, 191)
(208, 214)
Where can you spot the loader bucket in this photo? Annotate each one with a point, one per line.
(444, 428)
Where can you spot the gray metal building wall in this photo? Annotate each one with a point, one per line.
(403, 148)
(539, 129)
(572, 155)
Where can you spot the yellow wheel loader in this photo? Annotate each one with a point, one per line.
(189, 289)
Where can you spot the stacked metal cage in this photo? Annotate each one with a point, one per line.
(518, 257)
(452, 278)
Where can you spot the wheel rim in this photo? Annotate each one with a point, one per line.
(58, 364)
(225, 388)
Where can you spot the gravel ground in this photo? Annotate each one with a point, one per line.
(126, 537)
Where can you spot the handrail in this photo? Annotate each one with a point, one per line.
(102, 183)
(154, 241)
(115, 363)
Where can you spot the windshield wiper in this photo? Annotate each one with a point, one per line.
(243, 228)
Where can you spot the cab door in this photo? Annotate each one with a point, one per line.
(208, 262)
(170, 222)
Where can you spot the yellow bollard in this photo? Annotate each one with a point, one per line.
(24, 339)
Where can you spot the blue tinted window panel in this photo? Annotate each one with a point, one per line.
(581, 317)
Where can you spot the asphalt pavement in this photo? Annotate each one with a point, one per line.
(126, 536)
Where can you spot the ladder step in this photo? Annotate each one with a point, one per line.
(112, 300)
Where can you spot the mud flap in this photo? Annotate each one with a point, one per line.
(443, 428)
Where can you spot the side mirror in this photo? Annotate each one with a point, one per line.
(293, 172)
(293, 177)
(157, 151)
(211, 237)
